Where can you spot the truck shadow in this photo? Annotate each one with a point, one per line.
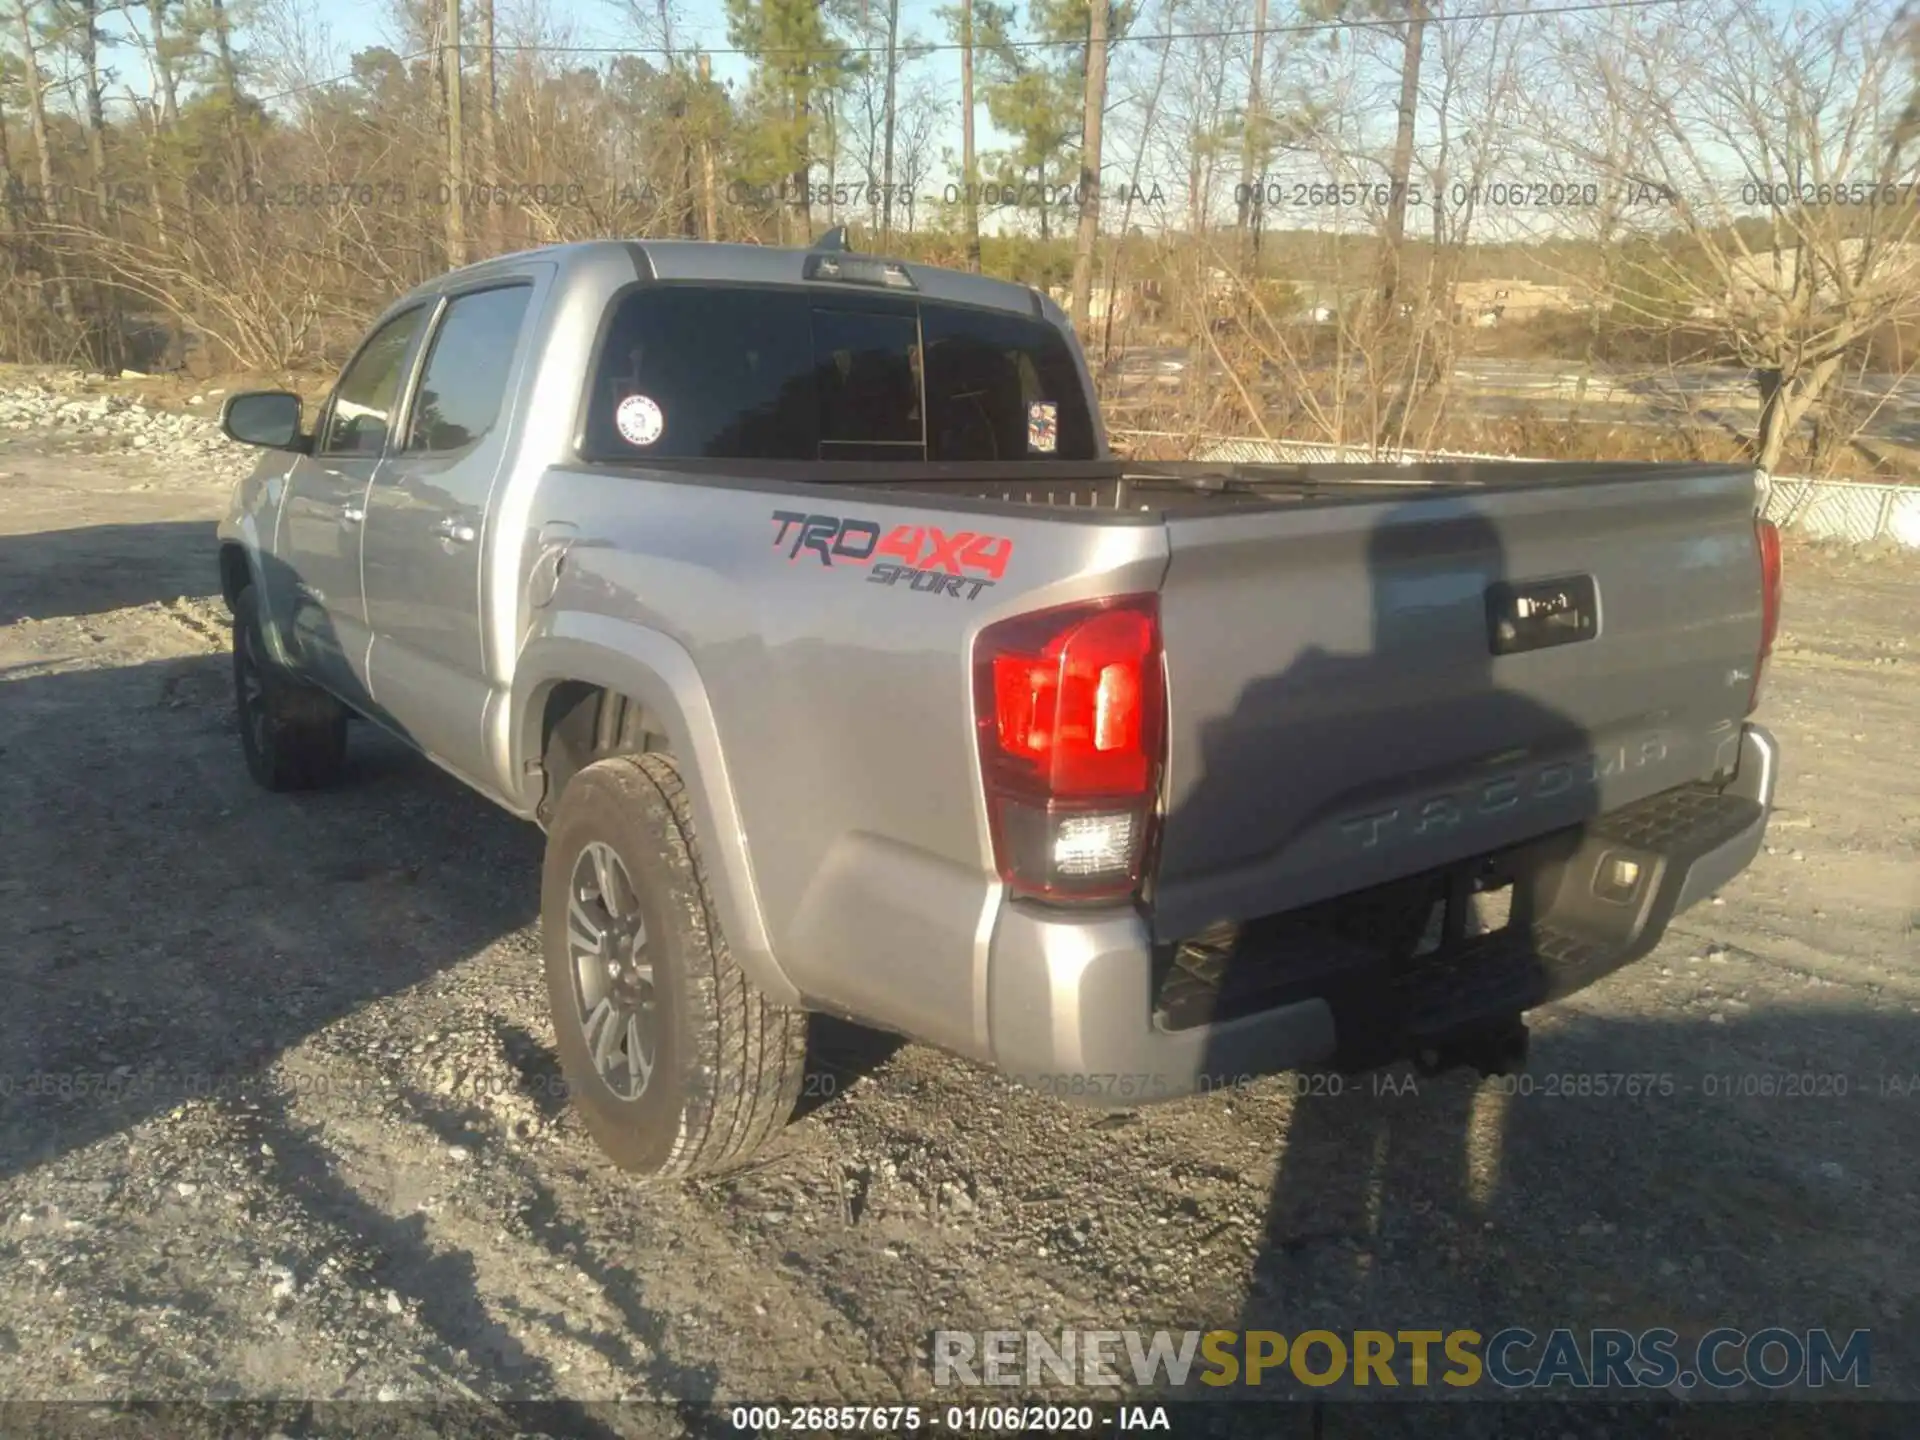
(49, 574)
(1411, 757)
(176, 932)
(177, 929)
(1372, 1181)
(1711, 1174)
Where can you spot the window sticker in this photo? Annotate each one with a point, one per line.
(638, 419)
(1043, 426)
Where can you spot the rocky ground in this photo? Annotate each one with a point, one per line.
(279, 1118)
(73, 413)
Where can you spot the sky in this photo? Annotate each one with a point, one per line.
(334, 31)
(698, 24)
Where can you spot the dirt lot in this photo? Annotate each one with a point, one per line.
(309, 1140)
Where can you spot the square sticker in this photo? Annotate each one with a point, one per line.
(1043, 426)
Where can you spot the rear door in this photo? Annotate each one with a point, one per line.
(1359, 692)
(427, 520)
(325, 512)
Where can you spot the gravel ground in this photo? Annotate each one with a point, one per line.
(311, 1142)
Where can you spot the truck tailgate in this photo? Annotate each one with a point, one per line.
(1361, 691)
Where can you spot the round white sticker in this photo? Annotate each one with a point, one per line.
(639, 420)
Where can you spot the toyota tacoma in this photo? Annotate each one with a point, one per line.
(799, 599)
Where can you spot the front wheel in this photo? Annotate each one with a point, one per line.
(675, 1062)
(293, 735)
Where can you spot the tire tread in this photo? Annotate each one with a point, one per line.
(749, 1054)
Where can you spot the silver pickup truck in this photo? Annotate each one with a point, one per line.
(798, 597)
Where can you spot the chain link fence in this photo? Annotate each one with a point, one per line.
(1855, 511)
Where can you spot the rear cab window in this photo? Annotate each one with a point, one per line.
(723, 372)
(469, 360)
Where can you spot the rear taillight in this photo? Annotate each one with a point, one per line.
(1070, 711)
(1766, 536)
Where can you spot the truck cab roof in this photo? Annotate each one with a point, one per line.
(718, 262)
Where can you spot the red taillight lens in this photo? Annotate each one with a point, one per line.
(1071, 714)
(1070, 696)
(1766, 536)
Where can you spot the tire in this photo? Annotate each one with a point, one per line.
(293, 735)
(726, 1064)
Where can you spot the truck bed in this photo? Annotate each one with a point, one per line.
(1344, 707)
(1132, 492)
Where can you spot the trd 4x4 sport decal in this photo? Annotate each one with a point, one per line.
(923, 557)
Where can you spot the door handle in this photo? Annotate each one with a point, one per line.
(352, 514)
(453, 530)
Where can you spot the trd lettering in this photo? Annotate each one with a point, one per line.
(827, 536)
(925, 556)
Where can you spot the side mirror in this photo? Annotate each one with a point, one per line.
(264, 417)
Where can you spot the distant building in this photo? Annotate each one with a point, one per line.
(1135, 300)
(1320, 304)
(1770, 275)
(1487, 303)
(1101, 301)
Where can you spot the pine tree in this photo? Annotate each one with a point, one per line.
(797, 61)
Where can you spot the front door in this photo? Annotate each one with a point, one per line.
(426, 527)
(326, 509)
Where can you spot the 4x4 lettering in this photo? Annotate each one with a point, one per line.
(989, 553)
(945, 552)
(903, 543)
(928, 559)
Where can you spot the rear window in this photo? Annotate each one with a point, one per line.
(724, 373)
(1001, 387)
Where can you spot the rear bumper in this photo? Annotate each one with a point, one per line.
(1070, 1002)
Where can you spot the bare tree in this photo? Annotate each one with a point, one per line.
(489, 103)
(1098, 17)
(42, 145)
(456, 139)
(1251, 128)
(893, 78)
(1790, 188)
(969, 171)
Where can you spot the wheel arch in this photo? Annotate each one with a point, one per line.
(243, 567)
(236, 572)
(596, 686)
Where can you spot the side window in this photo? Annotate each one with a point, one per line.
(867, 368)
(1001, 387)
(369, 388)
(466, 371)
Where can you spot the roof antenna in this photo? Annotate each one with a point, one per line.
(834, 239)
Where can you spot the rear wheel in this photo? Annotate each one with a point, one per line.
(676, 1064)
(293, 735)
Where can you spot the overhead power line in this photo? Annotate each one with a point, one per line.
(1305, 27)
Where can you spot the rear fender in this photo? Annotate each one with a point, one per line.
(656, 671)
